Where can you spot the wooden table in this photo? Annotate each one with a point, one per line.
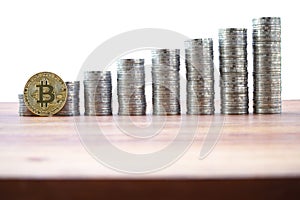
(256, 156)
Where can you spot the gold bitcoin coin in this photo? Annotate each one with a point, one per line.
(45, 94)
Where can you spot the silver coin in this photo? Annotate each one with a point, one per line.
(23, 110)
(97, 93)
(233, 71)
(267, 65)
(165, 79)
(71, 107)
(200, 76)
(131, 87)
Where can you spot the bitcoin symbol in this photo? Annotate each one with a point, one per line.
(42, 92)
(45, 94)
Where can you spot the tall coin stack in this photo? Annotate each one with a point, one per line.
(166, 81)
(23, 110)
(97, 93)
(267, 65)
(200, 76)
(71, 107)
(233, 71)
(131, 87)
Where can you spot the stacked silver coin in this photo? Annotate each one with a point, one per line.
(233, 71)
(71, 108)
(166, 81)
(23, 110)
(97, 93)
(131, 87)
(199, 58)
(267, 65)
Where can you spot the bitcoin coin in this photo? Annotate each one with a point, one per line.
(45, 94)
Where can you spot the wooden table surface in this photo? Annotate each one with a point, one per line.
(249, 147)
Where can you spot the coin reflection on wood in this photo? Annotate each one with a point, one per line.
(45, 94)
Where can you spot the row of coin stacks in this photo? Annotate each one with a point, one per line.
(199, 61)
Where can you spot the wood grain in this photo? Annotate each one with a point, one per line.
(250, 146)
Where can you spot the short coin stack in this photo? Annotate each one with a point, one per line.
(166, 81)
(200, 76)
(71, 107)
(131, 87)
(267, 65)
(97, 93)
(233, 71)
(23, 110)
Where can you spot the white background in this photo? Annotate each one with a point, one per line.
(58, 36)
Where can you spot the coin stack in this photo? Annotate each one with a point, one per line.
(131, 87)
(97, 93)
(233, 71)
(200, 76)
(166, 81)
(23, 110)
(267, 65)
(71, 107)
